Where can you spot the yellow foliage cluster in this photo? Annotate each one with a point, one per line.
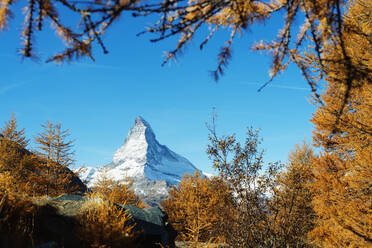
(28, 174)
(104, 224)
(199, 208)
(291, 211)
(240, 13)
(342, 173)
(116, 191)
(208, 211)
(5, 13)
(24, 172)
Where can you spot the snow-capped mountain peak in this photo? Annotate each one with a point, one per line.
(141, 128)
(136, 143)
(142, 157)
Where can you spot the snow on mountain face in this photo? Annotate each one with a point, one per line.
(141, 157)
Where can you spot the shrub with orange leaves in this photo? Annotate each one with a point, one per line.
(199, 208)
(291, 210)
(104, 224)
(116, 191)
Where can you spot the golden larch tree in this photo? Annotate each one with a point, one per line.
(54, 145)
(199, 208)
(45, 141)
(63, 146)
(342, 173)
(16, 162)
(55, 154)
(292, 215)
(11, 132)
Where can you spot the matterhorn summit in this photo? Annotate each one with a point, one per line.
(142, 158)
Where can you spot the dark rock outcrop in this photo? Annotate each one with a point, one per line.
(153, 225)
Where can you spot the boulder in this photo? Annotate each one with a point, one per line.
(153, 225)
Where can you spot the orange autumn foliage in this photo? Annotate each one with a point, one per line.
(23, 172)
(342, 173)
(116, 191)
(199, 208)
(292, 215)
(106, 225)
(320, 23)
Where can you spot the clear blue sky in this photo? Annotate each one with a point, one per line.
(99, 101)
